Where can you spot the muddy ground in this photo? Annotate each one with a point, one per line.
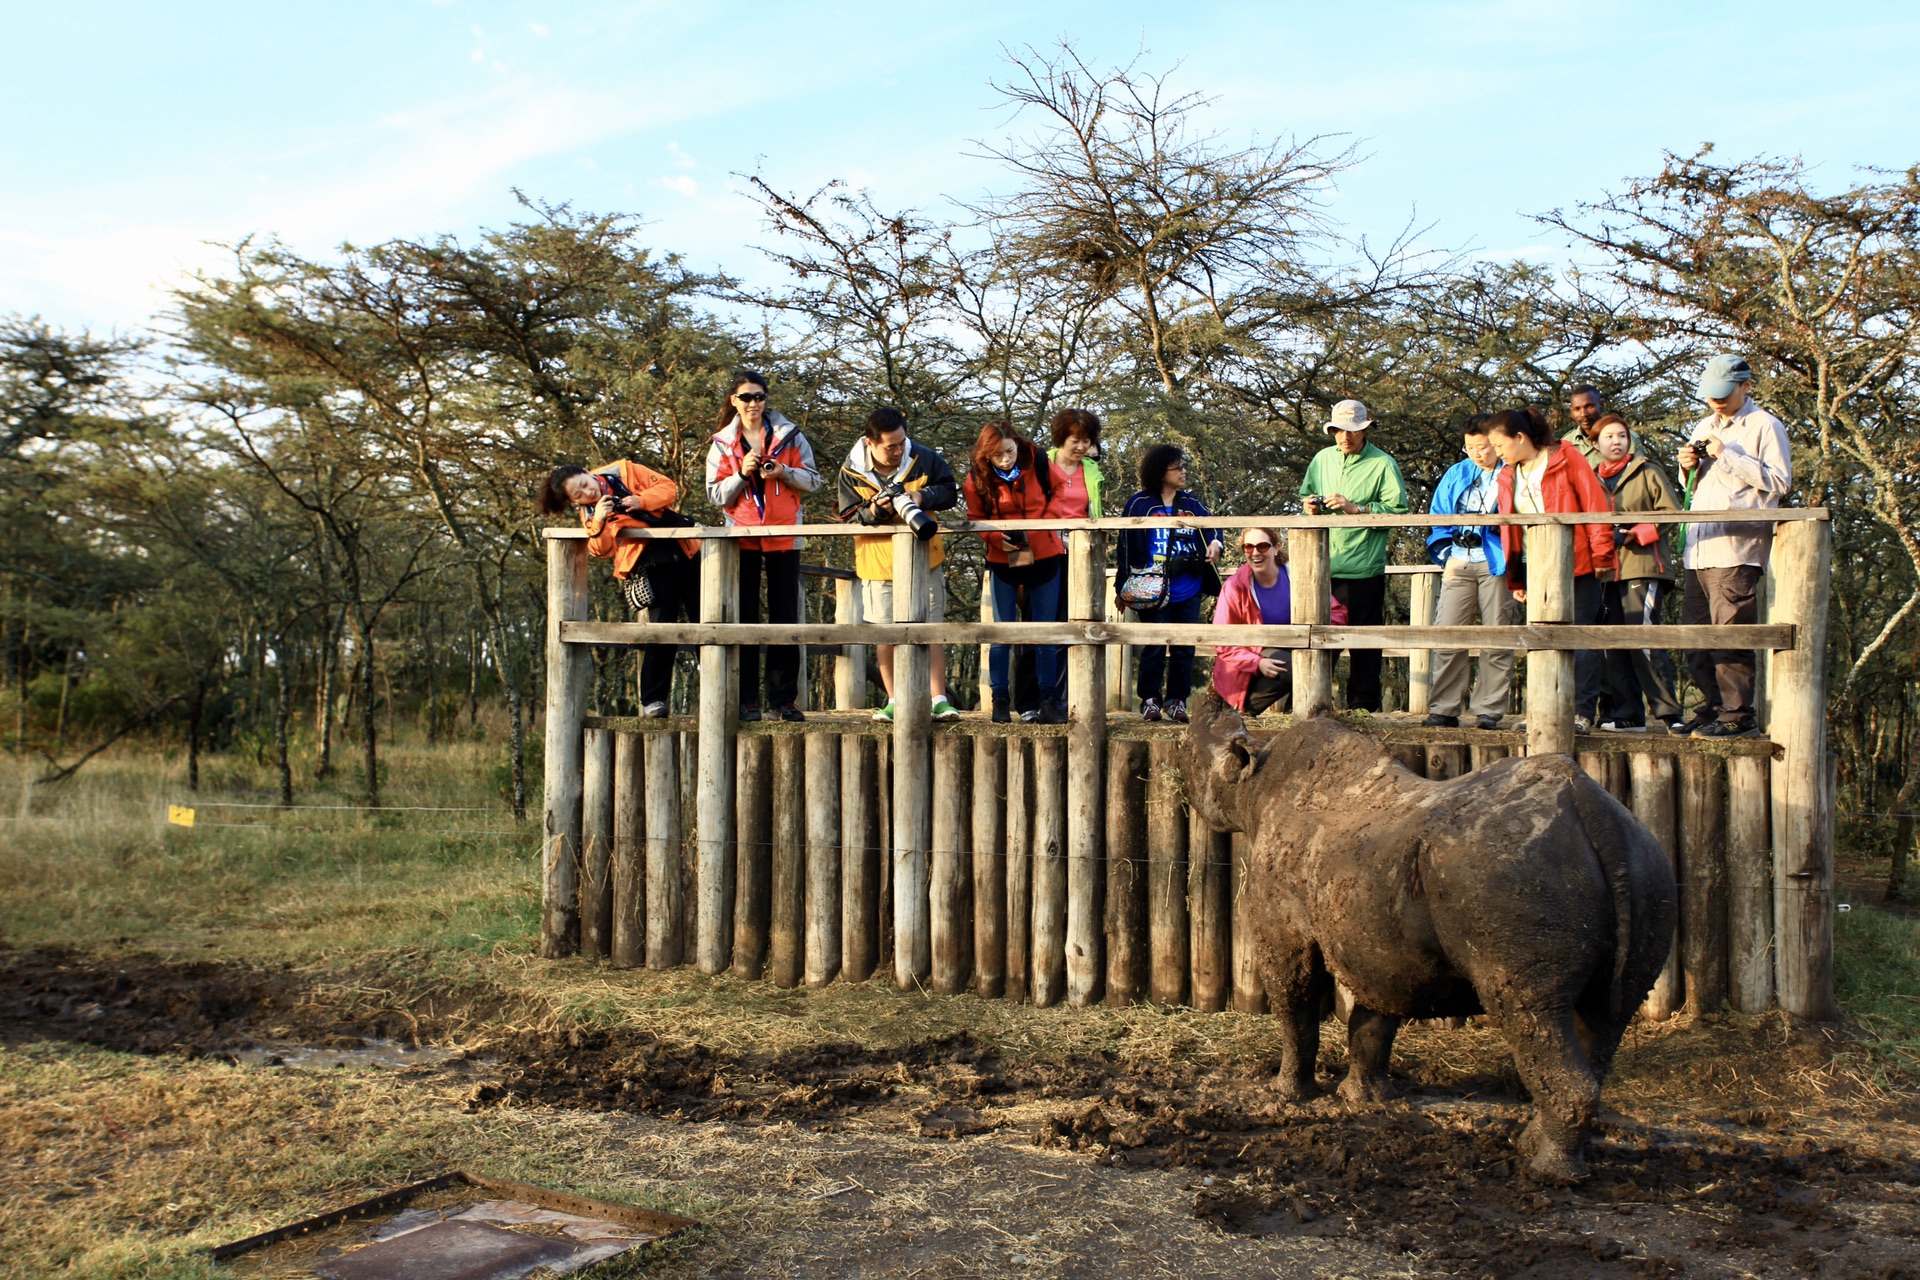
(947, 1157)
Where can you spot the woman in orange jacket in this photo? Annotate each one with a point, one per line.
(1547, 475)
(626, 495)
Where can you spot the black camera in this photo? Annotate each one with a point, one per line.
(1699, 446)
(1314, 504)
(1467, 539)
(923, 525)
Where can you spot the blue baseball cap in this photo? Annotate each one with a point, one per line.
(1722, 375)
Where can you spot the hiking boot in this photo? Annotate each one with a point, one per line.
(885, 714)
(1486, 722)
(1177, 710)
(788, 712)
(1743, 728)
(1582, 726)
(1149, 708)
(1438, 720)
(1002, 712)
(944, 710)
(750, 712)
(1051, 712)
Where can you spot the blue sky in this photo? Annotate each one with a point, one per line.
(136, 134)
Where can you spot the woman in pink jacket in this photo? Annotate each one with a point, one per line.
(1258, 594)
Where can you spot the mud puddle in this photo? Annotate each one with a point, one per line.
(1431, 1179)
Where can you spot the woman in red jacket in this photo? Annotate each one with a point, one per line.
(1011, 480)
(626, 495)
(1545, 475)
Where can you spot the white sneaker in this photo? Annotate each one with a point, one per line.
(1582, 726)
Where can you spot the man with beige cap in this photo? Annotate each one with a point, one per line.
(1352, 477)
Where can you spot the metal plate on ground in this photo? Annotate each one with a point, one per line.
(453, 1250)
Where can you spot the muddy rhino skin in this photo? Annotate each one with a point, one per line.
(1522, 889)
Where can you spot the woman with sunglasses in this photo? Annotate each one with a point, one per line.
(1187, 556)
(759, 467)
(1259, 594)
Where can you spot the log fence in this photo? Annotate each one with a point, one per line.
(1060, 864)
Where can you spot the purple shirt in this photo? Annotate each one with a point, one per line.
(1276, 601)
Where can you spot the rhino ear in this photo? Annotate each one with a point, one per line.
(1239, 757)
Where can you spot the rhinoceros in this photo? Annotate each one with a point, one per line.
(1522, 890)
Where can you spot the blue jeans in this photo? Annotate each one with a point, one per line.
(1175, 661)
(1043, 602)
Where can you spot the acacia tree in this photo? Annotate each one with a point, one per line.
(1822, 291)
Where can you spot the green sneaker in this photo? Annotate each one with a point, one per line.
(885, 714)
(944, 710)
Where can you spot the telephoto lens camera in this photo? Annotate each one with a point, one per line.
(923, 525)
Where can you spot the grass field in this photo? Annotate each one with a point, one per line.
(120, 1164)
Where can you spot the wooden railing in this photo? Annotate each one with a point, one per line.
(1793, 634)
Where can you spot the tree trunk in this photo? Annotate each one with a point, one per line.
(369, 730)
(323, 703)
(193, 734)
(282, 713)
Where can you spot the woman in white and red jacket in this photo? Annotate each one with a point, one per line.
(759, 467)
(1258, 594)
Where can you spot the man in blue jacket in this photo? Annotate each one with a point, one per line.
(1474, 581)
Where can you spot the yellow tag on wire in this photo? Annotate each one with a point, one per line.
(179, 815)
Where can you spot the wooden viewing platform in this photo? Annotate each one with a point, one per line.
(1059, 863)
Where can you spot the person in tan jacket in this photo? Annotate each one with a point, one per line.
(1639, 682)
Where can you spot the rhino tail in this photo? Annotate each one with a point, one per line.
(1601, 815)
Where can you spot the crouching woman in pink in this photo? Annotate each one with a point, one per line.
(1258, 594)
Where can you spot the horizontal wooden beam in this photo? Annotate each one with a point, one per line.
(1390, 729)
(1119, 524)
(1544, 637)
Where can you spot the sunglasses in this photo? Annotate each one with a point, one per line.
(751, 397)
(1256, 548)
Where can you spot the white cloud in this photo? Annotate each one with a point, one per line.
(680, 158)
(683, 184)
(540, 29)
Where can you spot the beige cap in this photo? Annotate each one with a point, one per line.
(1348, 415)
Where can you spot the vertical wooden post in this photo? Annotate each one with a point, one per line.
(1446, 760)
(687, 853)
(859, 857)
(990, 866)
(883, 850)
(753, 863)
(986, 615)
(1703, 880)
(1312, 585)
(1654, 805)
(1594, 765)
(1210, 907)
(596, 843)
(1119, 688)
(1049, 870)
(1249, 996)
(629, 849)
(1086, 771)
(1802, 810)
(1749, 886)
(786, 919)
(912, 771)
(719, 721)
(823, 858)
(1020, 840)
(1126, 872)
(950, 870)
(666, 912)
(1420, 661)
(569, 687)
(1550, 688)
(1412, 756)
(1481, 757)
(1166, 877)
(850, 668)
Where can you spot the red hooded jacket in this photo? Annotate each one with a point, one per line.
(1568, 484)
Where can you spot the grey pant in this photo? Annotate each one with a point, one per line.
(1468, 593)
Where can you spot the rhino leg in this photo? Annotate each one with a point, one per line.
(1566, 1093)
(1298, 989)
(1369, 1048)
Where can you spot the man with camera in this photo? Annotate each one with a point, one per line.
(889, 480)
(1736, 458)
(1473, 582)
(1352, 477)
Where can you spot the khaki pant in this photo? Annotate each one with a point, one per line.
(1468, 593)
